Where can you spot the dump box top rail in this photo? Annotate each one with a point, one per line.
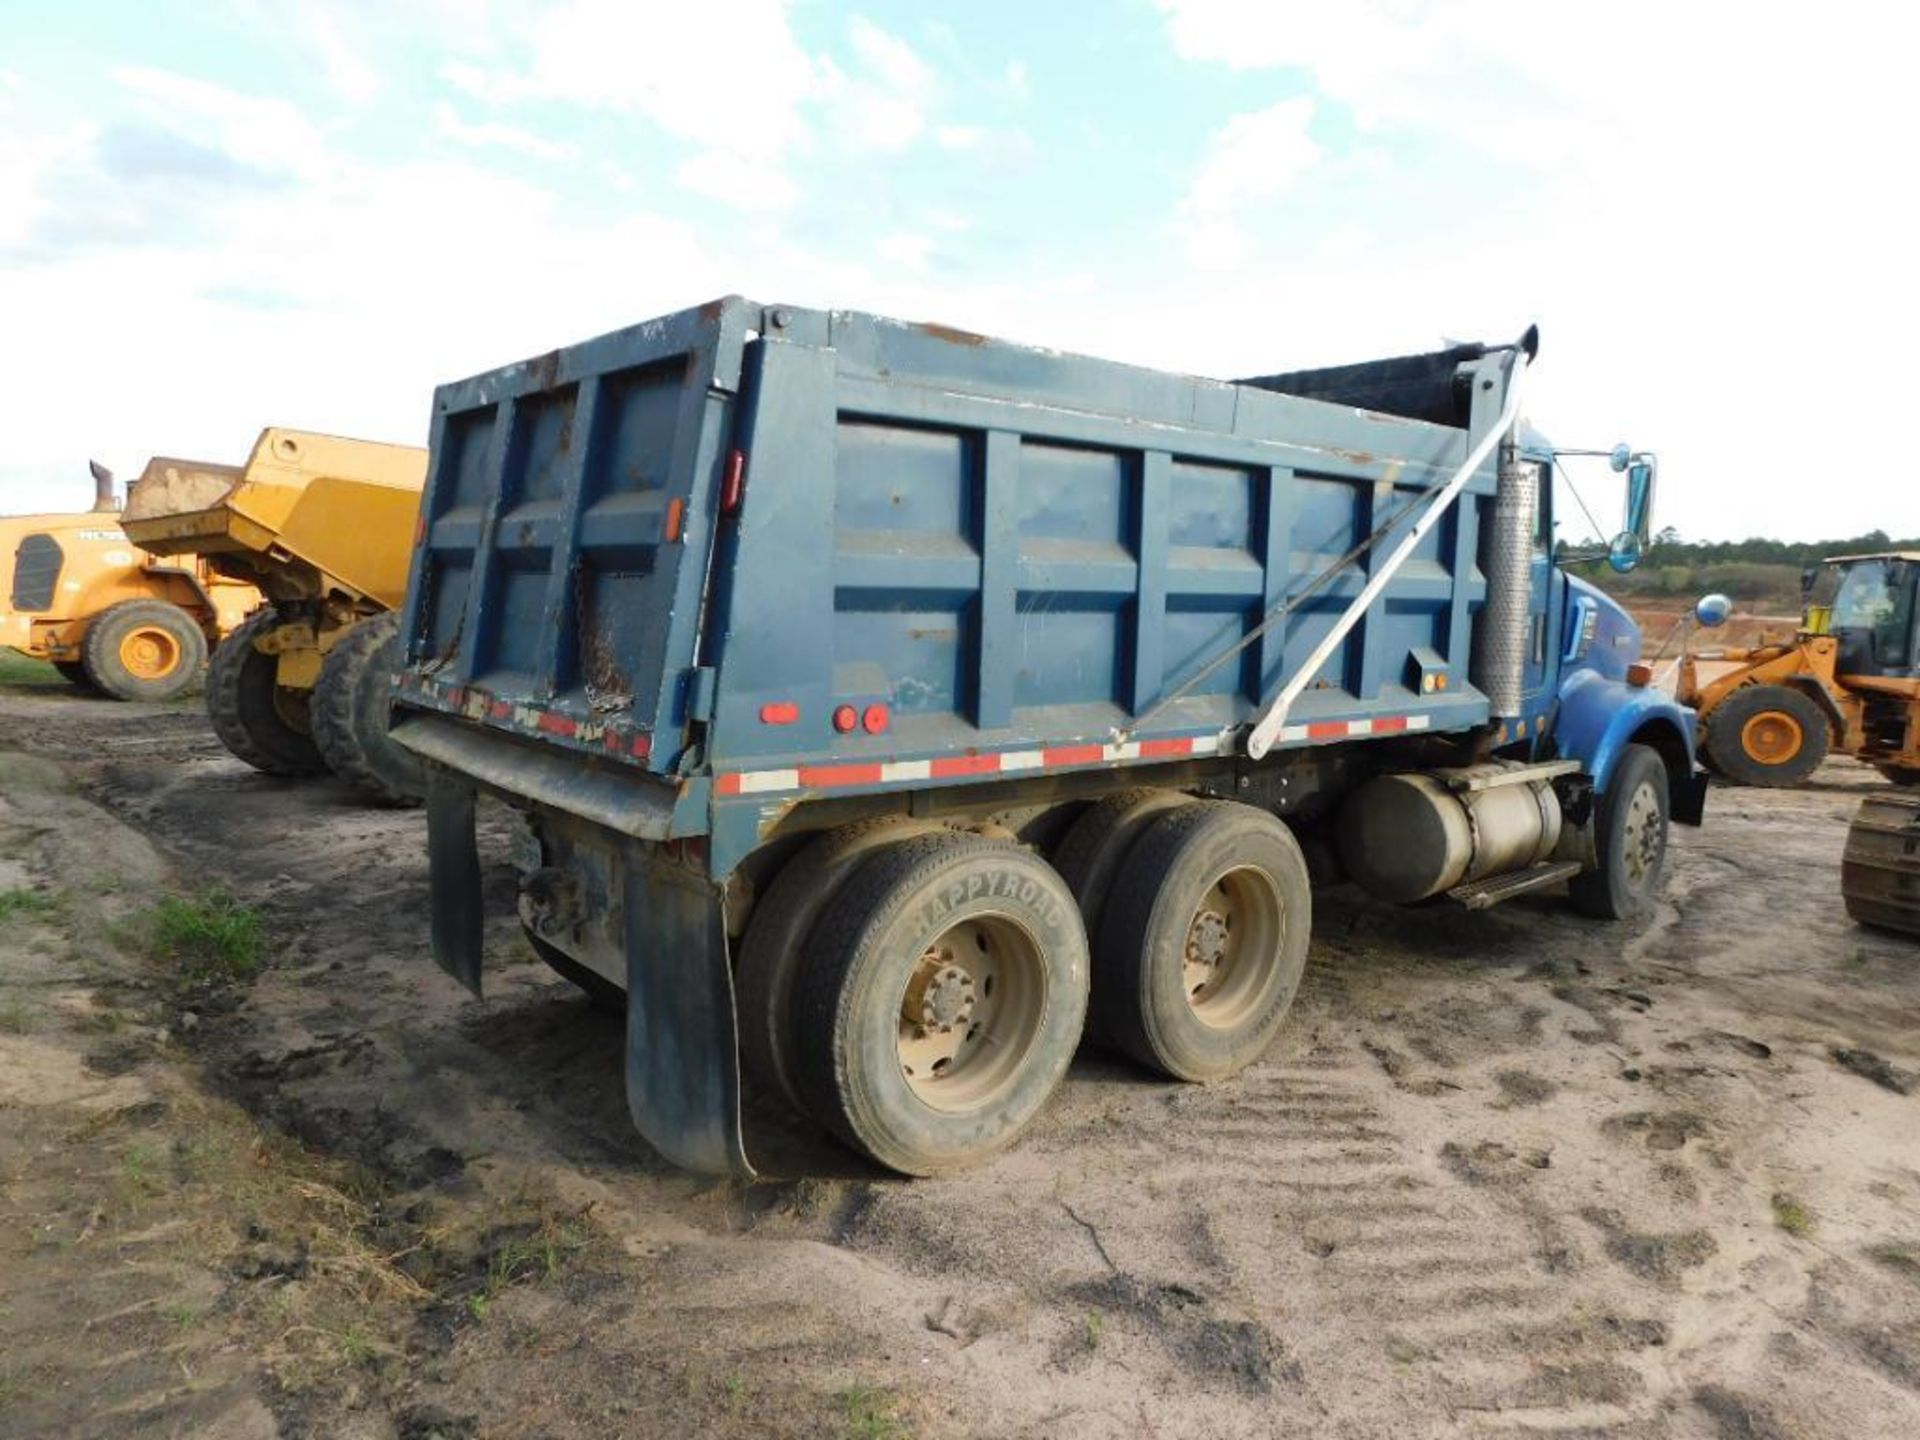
(794, 549)
(333, 514)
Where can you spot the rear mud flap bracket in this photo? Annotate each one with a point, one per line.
(453, 869)
(683, 1047)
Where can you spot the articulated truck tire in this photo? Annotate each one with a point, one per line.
(1204, 941)
(349, 714)
(261, 721)
(1630, 838)
(143, 650)
(940, 1000)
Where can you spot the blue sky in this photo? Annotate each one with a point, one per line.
(249, 212)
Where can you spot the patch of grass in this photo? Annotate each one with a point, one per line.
(18, 669)
(22, 901)
(140, 1167)
(871, 1414)
(16, 1019)
(1791, 1216)
(356, 1345)
(180, 1314)
(1095, 1329)
(210, 937)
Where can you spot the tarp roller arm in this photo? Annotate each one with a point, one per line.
(1268, 728)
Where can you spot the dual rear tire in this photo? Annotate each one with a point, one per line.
(940, 981)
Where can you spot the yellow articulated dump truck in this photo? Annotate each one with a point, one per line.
(75, 591)
(323, 526)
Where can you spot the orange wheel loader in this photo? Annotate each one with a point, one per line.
(75, 591)
(1847, 683)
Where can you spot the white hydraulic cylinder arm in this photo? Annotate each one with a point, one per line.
(1267, 730)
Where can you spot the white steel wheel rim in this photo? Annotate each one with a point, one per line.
(1641, 841)
(971, 1012)
(1231, 949)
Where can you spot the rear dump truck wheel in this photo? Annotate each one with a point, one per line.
(261, 721)
(1091, 852)
(74, 673)
(604, 994)
(143, 650)
(1630, 840)
(776, 935)
(350, 709)
(1769, 735)
(939, 1001)
(1204, 940)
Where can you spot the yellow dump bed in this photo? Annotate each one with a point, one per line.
(307, 516)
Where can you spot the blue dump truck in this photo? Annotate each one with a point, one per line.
(889, 706)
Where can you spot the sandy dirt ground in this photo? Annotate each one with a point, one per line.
(1505, 1173)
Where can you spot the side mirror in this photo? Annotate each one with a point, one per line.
(1639, 517)
(1624, 553)
(1713, 611)
(1620, 457)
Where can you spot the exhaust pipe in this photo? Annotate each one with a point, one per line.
(103, 501)
(1504, 632)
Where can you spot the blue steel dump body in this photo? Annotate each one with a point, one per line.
(684, 546)
(743, 576)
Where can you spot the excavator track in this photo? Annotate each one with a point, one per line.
(1880, 874)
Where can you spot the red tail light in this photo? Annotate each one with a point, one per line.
(733, 488)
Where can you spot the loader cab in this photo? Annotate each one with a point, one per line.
(1876, 602)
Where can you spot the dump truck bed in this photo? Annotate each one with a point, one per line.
(698, 545)
(307, 514)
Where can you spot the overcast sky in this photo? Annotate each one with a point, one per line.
(220, 216)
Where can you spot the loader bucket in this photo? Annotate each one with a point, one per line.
(1880, 874)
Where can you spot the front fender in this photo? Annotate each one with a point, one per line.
(1600, 717)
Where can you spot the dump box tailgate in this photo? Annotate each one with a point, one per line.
(565, 533)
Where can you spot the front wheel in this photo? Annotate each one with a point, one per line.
(940, 1000)
(1630, 840)
(1770, 735)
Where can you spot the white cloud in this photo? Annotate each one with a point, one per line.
(742, 181)
(262, 131)
(905, 250)
(959, 137)
(505, 137)
(731, 80)
(1251, 159)
(347, 68)
(882, 106)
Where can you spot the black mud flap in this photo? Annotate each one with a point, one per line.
(453, 875)
(683, 1048)
(1688, 799)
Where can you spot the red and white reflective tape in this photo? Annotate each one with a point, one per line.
(953, 767)
(477, 704)
(1353, 729)
(866, 774)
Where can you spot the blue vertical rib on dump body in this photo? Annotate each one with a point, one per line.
(545, 576)
(1001, 545)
